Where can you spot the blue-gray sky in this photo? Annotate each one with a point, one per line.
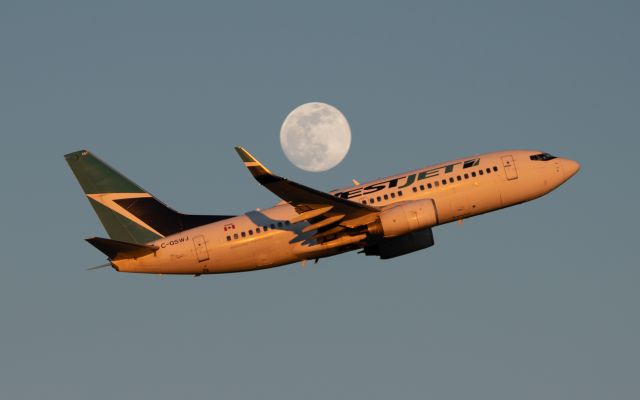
(536, 301)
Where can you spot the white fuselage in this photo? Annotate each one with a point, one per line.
(460, 189)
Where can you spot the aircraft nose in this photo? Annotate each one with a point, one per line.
(570, 167)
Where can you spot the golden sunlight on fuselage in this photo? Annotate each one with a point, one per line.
(460, 189)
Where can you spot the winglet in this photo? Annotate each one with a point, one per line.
(259, 171)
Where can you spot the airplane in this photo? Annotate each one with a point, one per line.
(387, 217)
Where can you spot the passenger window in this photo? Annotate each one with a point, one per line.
(393, 195)
(400, 193)
(451, 179)
(371, 200)
(466, 176)
(279, 224)
(386, 197)
(287, 223)
(228, 238)
(265, 228)
(473, 174)
(415, 189)
(488, 170)
(250, 232)
(421, 187)
(436, 183)
(429, 186)
(257, 230)
(481, 172)
(495, 169)
(273, 226)
(444, 182)
(379, 198)
(235, 235)
(364, 202)
(459, 178)
(243, 234)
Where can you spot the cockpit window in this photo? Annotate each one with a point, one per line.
(542, 157)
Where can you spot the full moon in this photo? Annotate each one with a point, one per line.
(315, 137)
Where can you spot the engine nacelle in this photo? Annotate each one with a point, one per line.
(400, 245)
(404, 218)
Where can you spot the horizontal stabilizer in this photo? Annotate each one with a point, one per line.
(118, 250)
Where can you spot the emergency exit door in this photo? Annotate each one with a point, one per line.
(509, 168)
(201, 248)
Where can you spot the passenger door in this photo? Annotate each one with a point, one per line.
(509, 168)
(201, 248)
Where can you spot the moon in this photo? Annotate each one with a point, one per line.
(315, 137)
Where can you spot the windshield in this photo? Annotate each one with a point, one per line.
(542, 157)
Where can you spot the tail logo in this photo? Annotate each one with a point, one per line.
(109, 200)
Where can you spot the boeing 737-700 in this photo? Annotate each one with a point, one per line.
(387, 217)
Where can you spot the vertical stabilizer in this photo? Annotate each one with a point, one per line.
(127, 212)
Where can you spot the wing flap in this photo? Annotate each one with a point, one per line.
(322, 223)
(306, 215)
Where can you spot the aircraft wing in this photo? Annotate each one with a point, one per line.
(321, 209)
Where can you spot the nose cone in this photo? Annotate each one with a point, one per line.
(570, 167)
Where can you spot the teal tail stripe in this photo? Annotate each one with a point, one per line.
(95, 176)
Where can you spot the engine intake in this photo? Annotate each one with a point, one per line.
(404, 218)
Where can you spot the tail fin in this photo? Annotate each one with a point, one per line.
(128, 212)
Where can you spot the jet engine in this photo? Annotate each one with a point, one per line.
(403, 218)
(400, 245)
